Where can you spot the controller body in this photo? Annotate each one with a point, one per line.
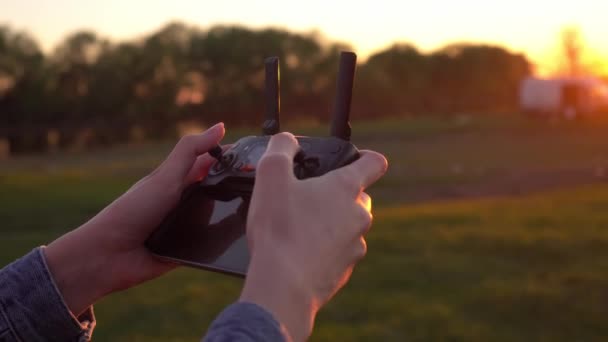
(207, 228)
(236, 169)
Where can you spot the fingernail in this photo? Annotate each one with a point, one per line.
(219, 124)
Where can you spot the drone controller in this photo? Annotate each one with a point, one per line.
(207, 228)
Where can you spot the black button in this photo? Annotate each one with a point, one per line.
(311, 163)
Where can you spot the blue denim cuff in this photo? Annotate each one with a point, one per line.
(244, 321)
(33, 306)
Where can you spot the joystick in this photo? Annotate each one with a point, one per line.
(232, 178)
(216, 152)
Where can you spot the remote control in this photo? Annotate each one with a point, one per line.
(206, 229)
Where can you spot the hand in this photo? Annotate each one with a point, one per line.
(305, 236)
(107, 253)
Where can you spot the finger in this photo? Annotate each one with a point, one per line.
(284, 144)
(184, 154)
(277, 161)
(363, 172)
(201, 166)
(366, 201)
(364, 220)
(360, 249)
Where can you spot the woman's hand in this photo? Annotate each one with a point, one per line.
(305, 236)
(107, 253)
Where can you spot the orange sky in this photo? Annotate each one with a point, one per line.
(530, 26)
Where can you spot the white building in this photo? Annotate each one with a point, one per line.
(565, 97)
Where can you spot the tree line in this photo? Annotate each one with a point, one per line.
(91, 91)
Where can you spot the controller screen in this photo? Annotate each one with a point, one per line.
(206, 232)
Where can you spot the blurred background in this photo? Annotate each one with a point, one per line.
(490, 225)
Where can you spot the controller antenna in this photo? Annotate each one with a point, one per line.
(273, 97)
(340, 126)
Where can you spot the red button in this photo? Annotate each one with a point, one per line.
(247, 168)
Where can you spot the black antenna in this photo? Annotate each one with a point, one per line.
(273, 97)
(340, 127)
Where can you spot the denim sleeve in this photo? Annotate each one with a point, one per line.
(245, 322)
(32, 308)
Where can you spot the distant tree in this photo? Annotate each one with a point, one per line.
(91, 91)
(456, 78)
(473, 78)
(231, 60)
(394, 81)
(22, 90)
(162, 62)
(113, 91)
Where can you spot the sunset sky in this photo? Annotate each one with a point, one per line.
(528, 26)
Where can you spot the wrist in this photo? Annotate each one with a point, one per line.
(76, 269)
(277, 290)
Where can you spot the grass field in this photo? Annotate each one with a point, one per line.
(486, 229)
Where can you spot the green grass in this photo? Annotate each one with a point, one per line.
(493, 269)
(485, 270)
(533, 267)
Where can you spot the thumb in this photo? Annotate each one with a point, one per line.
(183, 156)
(277, 161)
